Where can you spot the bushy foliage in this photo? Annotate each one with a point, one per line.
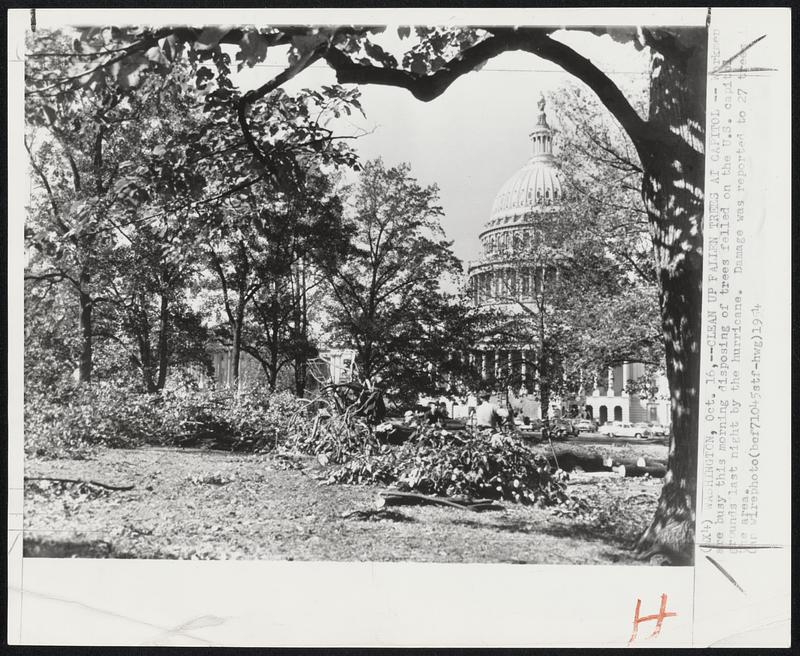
(69, 423)
(53, 430)
(244, 421)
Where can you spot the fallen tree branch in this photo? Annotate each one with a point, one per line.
(392, 498)
(116, 488)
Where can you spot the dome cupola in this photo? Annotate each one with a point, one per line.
(536, 185)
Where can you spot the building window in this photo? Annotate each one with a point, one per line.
(617, 413)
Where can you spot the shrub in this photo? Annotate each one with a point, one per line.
(68, 422)
(53, 430)
(247, 421)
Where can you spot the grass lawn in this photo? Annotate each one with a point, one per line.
(212, 504)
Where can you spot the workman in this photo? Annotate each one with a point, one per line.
(486, 415)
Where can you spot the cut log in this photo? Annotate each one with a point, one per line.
(655, 472)
(569, 461)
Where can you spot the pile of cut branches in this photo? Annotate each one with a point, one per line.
(434, 461)
(334, 427)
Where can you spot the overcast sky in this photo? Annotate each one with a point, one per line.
(471, 139)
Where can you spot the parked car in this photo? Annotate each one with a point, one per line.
(529, 424)
(658, 429)
(585, 426)
(624, 429)
(564, 427)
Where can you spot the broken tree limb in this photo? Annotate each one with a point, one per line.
(115, 488)
(392, 498)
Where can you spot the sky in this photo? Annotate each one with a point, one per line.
(473, 137)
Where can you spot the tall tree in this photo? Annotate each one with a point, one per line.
(73, 143)
(106, 227)
(387, 292)
(603, 177)
(148, 300)
(301, 240)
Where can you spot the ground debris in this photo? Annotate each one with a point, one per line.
(217, 478)
(377, 514)
(269, 503)
(77, 481)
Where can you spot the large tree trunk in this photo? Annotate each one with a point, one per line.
(673, 193)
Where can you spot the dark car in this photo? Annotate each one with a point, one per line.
(564, 428)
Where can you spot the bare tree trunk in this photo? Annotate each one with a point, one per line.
(300, 375)
(673, 193)
(301, 328)
(544, 399)
(87, 333)
(163, 342)
(236, 350)
(272, 373)
(145, 350)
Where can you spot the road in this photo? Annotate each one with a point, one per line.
(598, 438)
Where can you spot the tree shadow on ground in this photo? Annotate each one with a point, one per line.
(619, 543)
(609, 536)
(516, 526)
(47, 548)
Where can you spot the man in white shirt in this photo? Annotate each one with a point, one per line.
(486, 415)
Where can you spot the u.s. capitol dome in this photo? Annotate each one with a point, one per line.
(501, 275)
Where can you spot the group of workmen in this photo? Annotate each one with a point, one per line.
(481, 413)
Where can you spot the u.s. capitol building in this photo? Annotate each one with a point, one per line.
(506, 278)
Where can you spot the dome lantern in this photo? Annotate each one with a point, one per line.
(542, 136)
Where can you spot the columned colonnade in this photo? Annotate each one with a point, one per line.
(521, 283)
(603, 398)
